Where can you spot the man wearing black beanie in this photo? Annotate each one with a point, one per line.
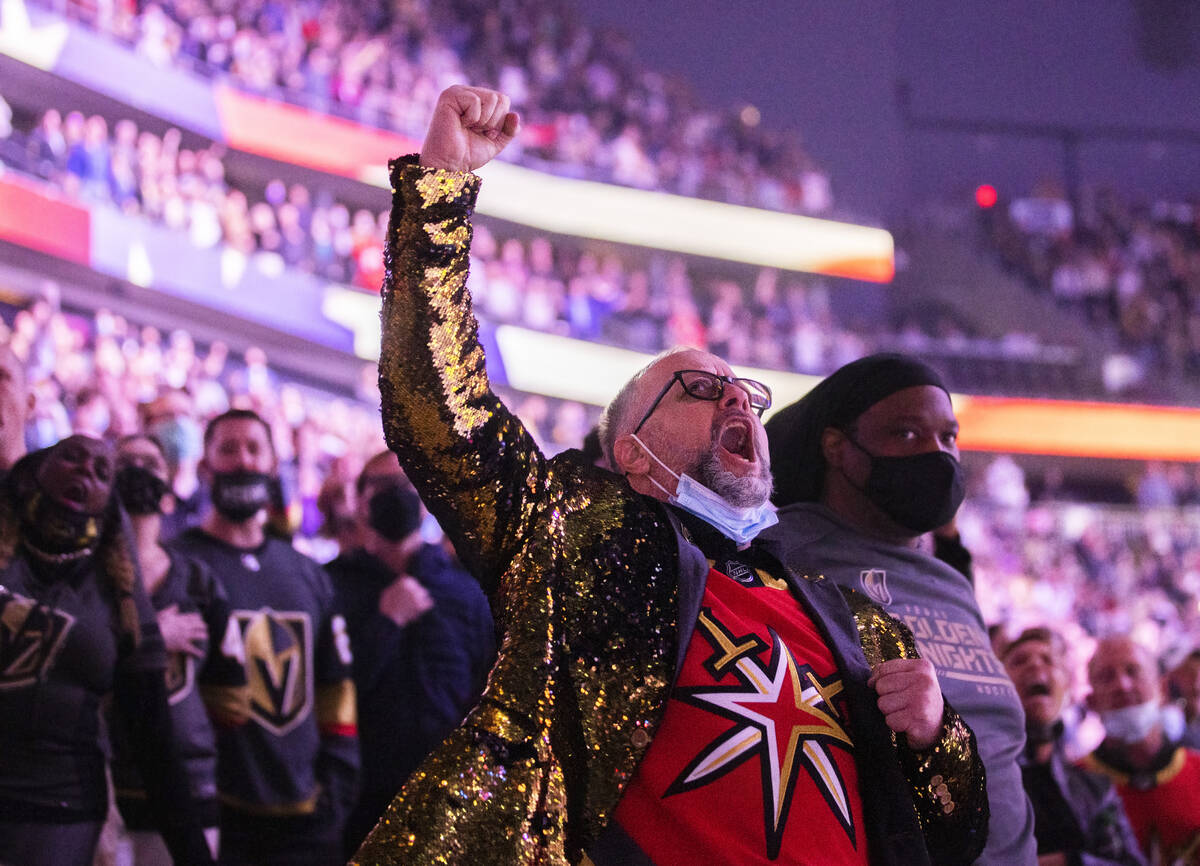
(865, 465)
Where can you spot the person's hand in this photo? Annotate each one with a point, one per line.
(910, 699)
(1058, 858)
(470, 125)
(404, 599)
(182, 632)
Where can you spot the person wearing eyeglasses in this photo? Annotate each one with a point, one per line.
(665, 691)
(866, 466)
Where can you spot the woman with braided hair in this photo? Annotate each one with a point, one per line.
(76, 627)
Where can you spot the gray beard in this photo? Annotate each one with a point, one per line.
(741, 491)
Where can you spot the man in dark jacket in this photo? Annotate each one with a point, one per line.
(1079, 817)
(422, 635)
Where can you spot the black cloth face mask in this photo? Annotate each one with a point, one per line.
(54, 528)
(394, 512)
(919, 492)
(238, 496)
(141, 491)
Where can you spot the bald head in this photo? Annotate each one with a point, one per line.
(623, 412)
(1122, 673)
(684, 413)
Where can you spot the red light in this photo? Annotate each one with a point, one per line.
(985, 195)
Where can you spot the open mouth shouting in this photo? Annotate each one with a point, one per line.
(1040, 699)
(736, 438)
(1038, 689)
(75, 495)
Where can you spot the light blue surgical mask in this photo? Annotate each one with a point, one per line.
(740, 524)
(181, 438)
(1132, 724)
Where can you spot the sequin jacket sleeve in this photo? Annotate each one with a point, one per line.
(948, 780)
(581, 572)
(476, 467)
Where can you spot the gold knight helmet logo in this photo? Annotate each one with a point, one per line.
(278, 652)
(31, 635)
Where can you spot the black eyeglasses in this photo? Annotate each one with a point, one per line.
(703, 385)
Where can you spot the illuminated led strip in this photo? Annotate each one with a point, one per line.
(567, 206)
(577, 370)
(1078, 429)
(684, 225)
(572, 369)
(679, 224)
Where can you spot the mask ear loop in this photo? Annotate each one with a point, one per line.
(654, 457)
(870, 457)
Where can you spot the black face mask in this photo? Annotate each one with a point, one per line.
(394, 512)
(238, 496)
(920, 492)
(54, 528)
(141, 491)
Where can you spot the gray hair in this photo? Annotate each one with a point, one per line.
(620, 414)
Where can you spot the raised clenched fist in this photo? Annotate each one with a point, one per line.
(470, 126)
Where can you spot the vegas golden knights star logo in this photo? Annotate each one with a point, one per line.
(31, 635)
(278, 649)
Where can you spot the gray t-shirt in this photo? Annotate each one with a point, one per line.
(938, 604)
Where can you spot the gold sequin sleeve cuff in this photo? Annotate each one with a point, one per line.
(477, 468)
(949, 792)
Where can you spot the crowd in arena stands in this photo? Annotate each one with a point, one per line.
(597, 293)
(1091, 570)
(1053, 556)
(105, 376)
(187, 190)
(591, 110)
(1103, 568)
(1129, 268)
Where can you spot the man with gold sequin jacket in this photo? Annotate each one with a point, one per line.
(665, 690)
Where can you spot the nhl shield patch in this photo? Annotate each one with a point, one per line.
(874, 584)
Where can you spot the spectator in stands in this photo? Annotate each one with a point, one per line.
(1078, 815)
(865, 465)
(47, 147)
(16, 402)
(171, 420)
(422, 634)
(336, 503)
(598, 114)
(288, 777)
(203, 679)
(77, 628)
(1184, 680)
(1157, 779)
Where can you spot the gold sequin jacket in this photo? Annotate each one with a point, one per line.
(589, 582)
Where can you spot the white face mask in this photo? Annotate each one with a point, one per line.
(1132, 724)
(739, 524)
